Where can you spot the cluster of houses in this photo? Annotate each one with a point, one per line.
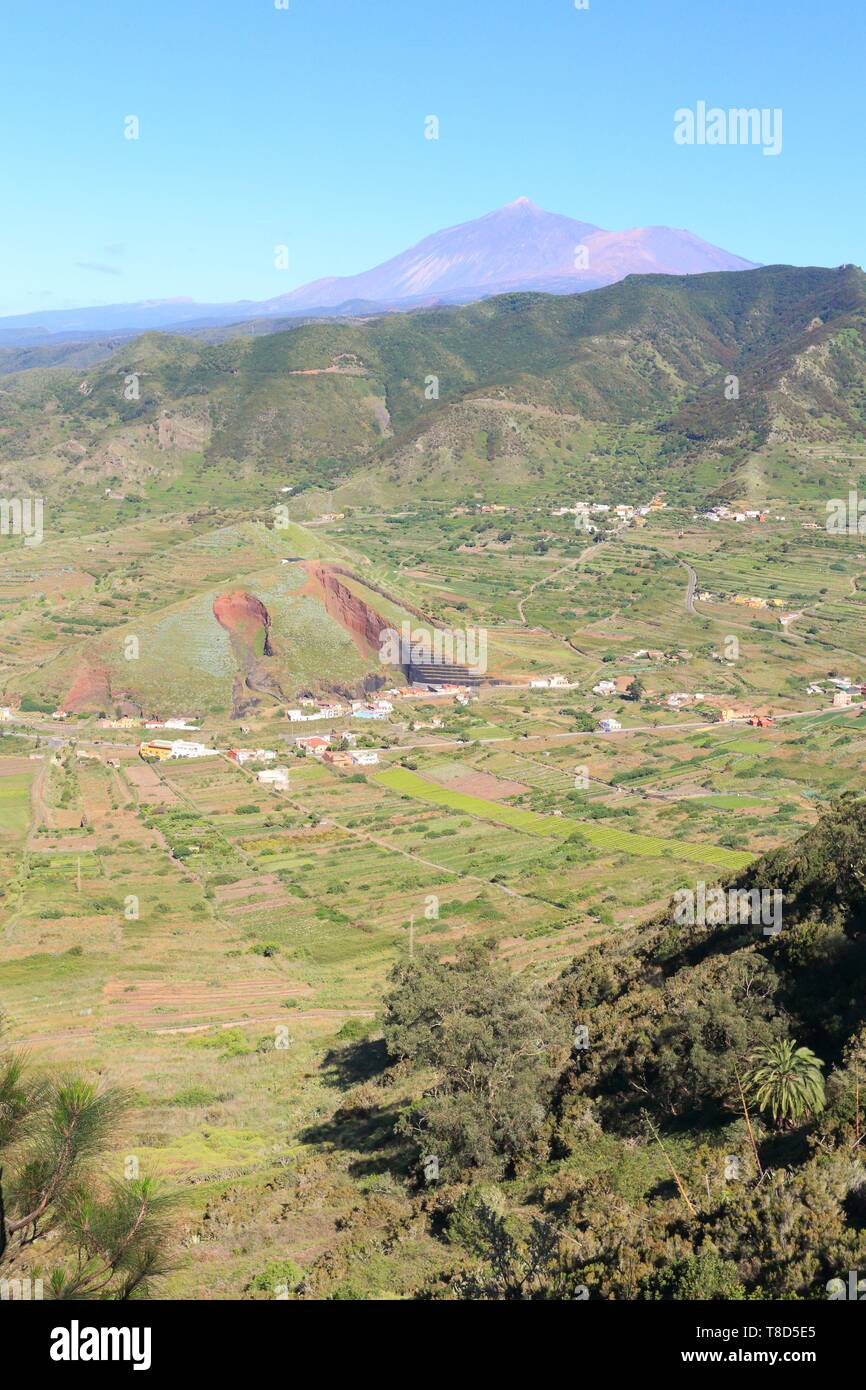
(310, 710)
(316, 746)
(623, 512)
(317, 710)
(749, 601)
(682, 697)
(618, 685)
(727, 514)
(319, 746)
(843, 693)
(251, 755)
(129, 721)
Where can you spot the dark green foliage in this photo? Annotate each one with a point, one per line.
(666, 1183)
(495, 1053)
(110, 1235)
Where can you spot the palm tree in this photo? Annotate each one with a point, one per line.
(786, 1081)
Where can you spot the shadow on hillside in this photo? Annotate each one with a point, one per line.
(364, 1128)
(368, 1133)
(355, 1063)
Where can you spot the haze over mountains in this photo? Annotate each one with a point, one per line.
(517, 247)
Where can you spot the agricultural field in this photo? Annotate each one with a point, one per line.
(209, 940)
(219, 946)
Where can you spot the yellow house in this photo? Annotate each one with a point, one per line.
(727, 715)
(156, 750)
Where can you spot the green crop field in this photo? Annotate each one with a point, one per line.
(410, 784)
(15, 804)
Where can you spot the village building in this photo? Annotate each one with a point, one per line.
(175, 748)
(251, 755)
(155, 749)
(316, 745)
(182, 748)
(274, 777)
(337, 757)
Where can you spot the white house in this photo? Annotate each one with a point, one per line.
(182, 748)
(364, 757)
(604, 688)
(274, 777)
(609, 726)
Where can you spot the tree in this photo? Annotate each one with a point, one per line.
(786, 1081)
(636, 690)
(526, 1267)
(112, 1233)
(495, 1052)
(704, 1276)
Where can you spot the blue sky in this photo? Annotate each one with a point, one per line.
(305, 127)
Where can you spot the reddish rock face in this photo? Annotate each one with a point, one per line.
(243, 616)
(91, 689)
(355, 616)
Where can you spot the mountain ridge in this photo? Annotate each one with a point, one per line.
(518, 247)
(529, 387)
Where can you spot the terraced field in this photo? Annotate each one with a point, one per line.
(562, 828)
(164, 925)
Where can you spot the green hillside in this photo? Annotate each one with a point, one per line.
(521, 390)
